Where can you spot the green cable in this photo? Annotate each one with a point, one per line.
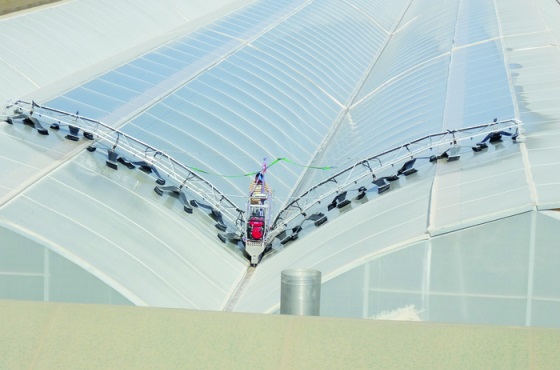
(324, 168)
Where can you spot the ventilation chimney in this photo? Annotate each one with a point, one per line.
(300, 292)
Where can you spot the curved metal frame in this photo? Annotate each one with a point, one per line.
(142, 151)
(352, 174)
(181, 174)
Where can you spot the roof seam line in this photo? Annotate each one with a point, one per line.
(340, 117)
(374, 63)
(395, 78)
(432, 206)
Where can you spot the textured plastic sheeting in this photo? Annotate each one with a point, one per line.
(112, 96)
(471, 99)
(32, 56)
(545, 292)
(92, 30)
(329, 43)
(413, 90)
(480, 275)
(479, 187)
(277, 98)
(504, 180)
(390, 117)
(394, 281)
(11, 80)
(30, 271)
(533, 53)
(549, 13)
(386, 13)
(113, 224)
(502, 272)
(425, 32)
(411, 66)
(403, 96)
(366, 230)
(476, 22)
(25, 155)
(133, 86)
(150, 77)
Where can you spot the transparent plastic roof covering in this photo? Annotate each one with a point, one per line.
(325, 83)
(97, 34)
(498, 273)
(437, 72)
(483, 60)
(242, 90)
(112, 224)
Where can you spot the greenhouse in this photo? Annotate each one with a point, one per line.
(409, 146)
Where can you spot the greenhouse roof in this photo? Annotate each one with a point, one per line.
(333, 93)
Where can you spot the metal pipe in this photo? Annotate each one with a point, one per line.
(300, 292)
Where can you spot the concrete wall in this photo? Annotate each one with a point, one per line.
(8, 6)
(69, 336)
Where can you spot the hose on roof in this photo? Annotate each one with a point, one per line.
(277, 160)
